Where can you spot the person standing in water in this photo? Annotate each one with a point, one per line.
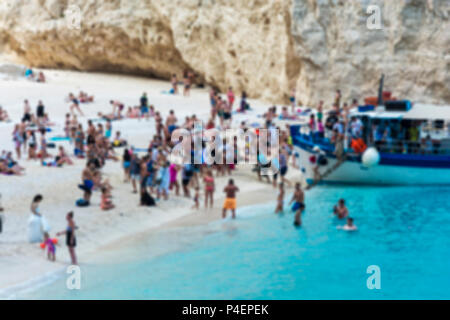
(230, 200)
(298, 199)
(340, 210)
(71, 240)
(280, 199)
(208, 179)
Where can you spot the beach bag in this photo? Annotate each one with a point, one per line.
(147, 200)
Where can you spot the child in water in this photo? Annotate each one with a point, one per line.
(349, 226)
(196, 198)
(51, 250)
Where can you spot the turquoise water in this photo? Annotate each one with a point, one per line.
(403, 230)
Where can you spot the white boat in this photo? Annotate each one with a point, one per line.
(401, 161)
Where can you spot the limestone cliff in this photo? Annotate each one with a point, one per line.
(266, 47)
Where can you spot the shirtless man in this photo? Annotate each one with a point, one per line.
(280, 199)
(230, 200)
(340, 210)
(87, 178)
(227, 114)
(26, 111)
(171, 124)
(298, 198)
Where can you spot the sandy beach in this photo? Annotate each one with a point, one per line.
(20, 261)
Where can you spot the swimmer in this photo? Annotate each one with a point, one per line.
(340, 210)
(349, 226)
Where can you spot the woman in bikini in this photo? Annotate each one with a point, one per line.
(209, 188)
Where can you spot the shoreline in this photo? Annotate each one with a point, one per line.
(112, 246)
(99, 229)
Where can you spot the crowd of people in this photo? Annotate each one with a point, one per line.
(152, 172)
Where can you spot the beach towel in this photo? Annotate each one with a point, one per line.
(56, 139)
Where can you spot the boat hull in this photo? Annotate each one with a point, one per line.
(354, 172)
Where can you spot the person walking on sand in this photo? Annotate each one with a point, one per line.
(71, 240)
(298, 198)
(230, 200)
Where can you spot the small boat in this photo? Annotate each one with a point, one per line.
(403, 144)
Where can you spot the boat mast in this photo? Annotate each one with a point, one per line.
(380, 91)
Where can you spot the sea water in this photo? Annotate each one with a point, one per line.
(405, 231)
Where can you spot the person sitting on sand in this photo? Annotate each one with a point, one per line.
(85, 98)
(41, 77)
(349, 226)
(62, 157)
(340, 210)
(230, 200)
(29, 74)
(4, 115)
(129, 114)
(106, 202)
(10, 167)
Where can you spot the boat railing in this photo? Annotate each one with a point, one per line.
(411, 147)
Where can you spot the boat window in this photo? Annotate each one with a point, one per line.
(438, 124)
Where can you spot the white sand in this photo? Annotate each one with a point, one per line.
(20, 261)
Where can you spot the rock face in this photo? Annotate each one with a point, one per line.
(266, 47)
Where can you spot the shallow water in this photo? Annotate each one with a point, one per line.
(403, 230)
